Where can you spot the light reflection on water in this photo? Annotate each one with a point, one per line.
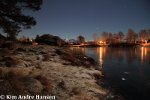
(130, 54)
(131, 64)
(144, 54)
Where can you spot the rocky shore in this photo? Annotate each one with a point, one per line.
(48, 70)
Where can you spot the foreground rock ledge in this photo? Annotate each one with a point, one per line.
(32, 70)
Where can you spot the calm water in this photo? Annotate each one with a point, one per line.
(127, 70)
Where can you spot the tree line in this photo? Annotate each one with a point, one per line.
(120, 37)
(13, 20)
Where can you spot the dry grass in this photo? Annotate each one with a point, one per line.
(9, 44)
(44, 76)
(11, 61)
(75, 91)
(47, 84)
(76, 58)
(83, 96)
(13, 79)
(24, 84)
(46, 57)
(1, 73)
(97, 75)
(20, 81)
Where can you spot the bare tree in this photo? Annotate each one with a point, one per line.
(110, 38)
(115, 38)
(148, 31)
(105, 36)
(120, 36)
(143, 35)
(131, 36)
(95, 37)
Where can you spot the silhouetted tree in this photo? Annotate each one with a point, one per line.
(81, 39)
(143, 34)
(115, 38)
(95, 37)
(110, 38)
(105, 36)
(148, 31)
(12, 18)
(131, 36)
(37, 37)
(120, 36)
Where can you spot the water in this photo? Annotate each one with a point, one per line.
(127, 70)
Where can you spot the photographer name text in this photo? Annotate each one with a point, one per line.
(27, 97)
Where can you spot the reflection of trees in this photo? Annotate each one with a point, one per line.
(144, 53)
(78, 50)
(118, 54)
(121, 53)
(131, 55)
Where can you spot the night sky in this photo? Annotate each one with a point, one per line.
(70, 18)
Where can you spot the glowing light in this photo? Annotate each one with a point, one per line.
(102, 42)
(101, 56)
(143, 53)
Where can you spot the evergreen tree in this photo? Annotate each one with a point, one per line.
(12, 17)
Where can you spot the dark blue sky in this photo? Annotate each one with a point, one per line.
(70, 18)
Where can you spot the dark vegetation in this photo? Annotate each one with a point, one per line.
(76, 58)
(2, 39)
(16, 84)
(13, 19)
(123, 45)
(50, 40)
(15, 80)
